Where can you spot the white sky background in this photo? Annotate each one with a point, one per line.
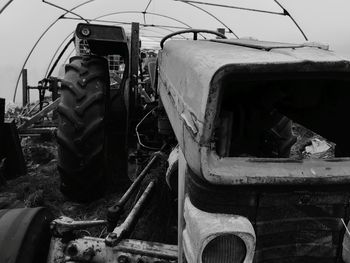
(22, 23)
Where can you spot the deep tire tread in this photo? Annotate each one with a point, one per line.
(80, 110)
(66, 143)
(84, 81)
(66, 85)
(89, 131)
(64, 111)
(80, 133)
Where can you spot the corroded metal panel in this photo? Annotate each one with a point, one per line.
(237, 171)
(191, 77)
(202, 227)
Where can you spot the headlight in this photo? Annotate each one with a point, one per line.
(216, 238)
(226, 249)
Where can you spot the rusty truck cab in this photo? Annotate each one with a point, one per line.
(240, 203)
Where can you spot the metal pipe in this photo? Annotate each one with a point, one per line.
(149, 2)
(231, 6)
(5, 6)
(54, 55)
(126, 23)
(88, 20)
(290, 16)
(119, 232)
(285, 11)
(115, 211)
(60, 56)
(149, 13)
(217, 19)
(48, 68)
(39, 39)
(66, 10)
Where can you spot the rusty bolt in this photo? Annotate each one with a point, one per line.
(123, 259)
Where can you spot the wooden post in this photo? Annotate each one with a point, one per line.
(2, 111)
(2, 118)
(25, 90)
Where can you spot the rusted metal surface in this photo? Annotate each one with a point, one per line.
(115, 211)
(120, 231)
(40, 114)
(301, 225)
(56, 251)
(190, 80)
(266, 45)
(37, 131)
(189, 66)
(202, 227)
(65, 224)
(89, 249)
(237, 171)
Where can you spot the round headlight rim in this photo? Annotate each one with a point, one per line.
(213, 236)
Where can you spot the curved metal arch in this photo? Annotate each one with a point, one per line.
(285, 11)
(154, 31)
(217, 19)
(64, 9)
(140, 12)
(39, 39)
(137, 12)
(5, 6)
(64, 62)
(85, 3)
(150, 13)
(49, 68)
(61, 44)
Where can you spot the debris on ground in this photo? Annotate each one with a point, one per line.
(317, 148)
(41, 187)
(310, 144)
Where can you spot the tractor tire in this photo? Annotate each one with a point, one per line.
(25, 235)
(81, 129)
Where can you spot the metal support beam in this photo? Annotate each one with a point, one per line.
(2, 111)
(115, 211)
(124, 229)
(2, 119)
(25, 90)
(40, 114)
(134, 66)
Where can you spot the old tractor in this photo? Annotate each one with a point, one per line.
(230, 105)
(241, 198)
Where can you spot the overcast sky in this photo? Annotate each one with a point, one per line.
(22, 23)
